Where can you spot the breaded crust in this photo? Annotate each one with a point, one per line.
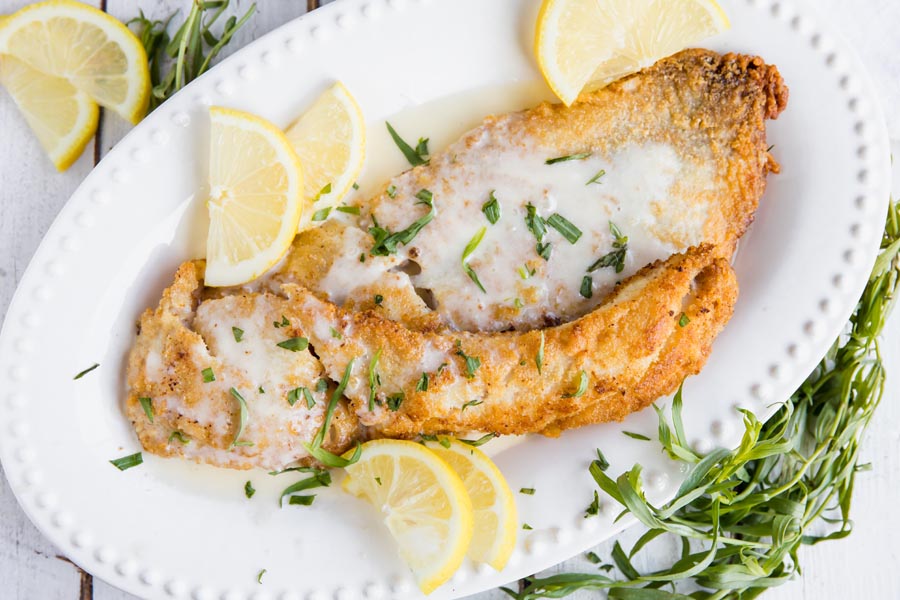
(632, 350)
(444, 358)
(183, 337)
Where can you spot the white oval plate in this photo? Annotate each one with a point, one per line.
(169, 529)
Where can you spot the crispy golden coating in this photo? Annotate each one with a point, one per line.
(183, 337)
(429, 353)
(698, 114)
(632, 350)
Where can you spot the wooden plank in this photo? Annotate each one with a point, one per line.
(31, 194)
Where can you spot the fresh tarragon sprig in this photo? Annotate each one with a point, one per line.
(174, 62)
(742, 515)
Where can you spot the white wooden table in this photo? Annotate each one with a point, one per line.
(866, 565)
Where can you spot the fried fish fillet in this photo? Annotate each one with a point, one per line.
(188, 364)
(630, 351)
(572, 326)
(674, 156)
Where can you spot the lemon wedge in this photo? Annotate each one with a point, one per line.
(93, 51)
(590, 43)
(493, 504)
(255, 197)
(62, 117)
(424, 503)
(330, 139)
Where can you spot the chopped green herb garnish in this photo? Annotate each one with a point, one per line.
(262, 572)
(422, 147)
(526, 272)
(378, 480)
(587, 286)
(378, 299)
(296, 393)
(238, 333)
(86, 371)
(355, 185)
(319, 478)
(126, 462)
(180, 436)
(208, 375)
(579, 156)
(298, 469)
(527, 491)
(395, 400)
(326, 189)
(374, 378)
(534, 222)
(469, 249)
(491, 209)
(543, 250)
(539, 357)
(248, 489)
(683, 320)
(527, 527)
(321, 385)
(564, 227)
(593, 558)
(294, 344)
(637, 436)
(386, 242)
(596, 178)
(321, 214)
(582, 386)
(480, 441)
(392, 191)
(601, 461)
(301, 500)
(261, 390)
(336, 334)
(472, 362)
(422, 385)
(442, 440)
(471, 403)
(242, 419)
(284, 322)
(362, 257)
(415, 156)
(616, 258)
(315, 448)
(518, 303)
(350, 210)
(593, 508)
(147, 405)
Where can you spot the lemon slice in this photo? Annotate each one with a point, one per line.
(93, 51)
(330, 139)
(255, 197)
(493, 503)
(590, 43)
(424, 503)
(62, 117)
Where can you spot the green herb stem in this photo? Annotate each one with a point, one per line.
(743, 515)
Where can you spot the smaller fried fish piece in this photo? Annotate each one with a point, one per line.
(187, 359)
